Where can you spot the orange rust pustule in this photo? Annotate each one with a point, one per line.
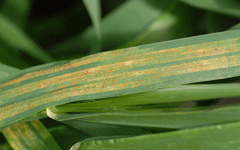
(203, 65)
(190, 51)
(111, 68)
(106, 77)
(72, 64)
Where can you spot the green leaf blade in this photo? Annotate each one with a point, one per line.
(17, 11)
(121, 72)
(94, 10)
(214, 137)
(120, 26)
(14, 37)
(230, 7)
(30, 135)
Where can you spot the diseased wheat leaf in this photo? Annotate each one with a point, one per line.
(30, 135)
(155, 116)
(159, 108)
(161, 97)
(120, 72)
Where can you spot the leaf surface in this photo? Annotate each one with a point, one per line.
(30, 135)
(216, 137)
(94, 10)
(230, 7)
(14, 37)
(120, 72)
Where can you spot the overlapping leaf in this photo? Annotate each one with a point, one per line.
(94, 10)
(225, 136)
(230, 7)
(17, 11)
(120, 72)
(118, 27)
(66, 136)
(30, 135)
(14, 37)
(27, 135)
(161, 108)
(235, 27)
(168, 24)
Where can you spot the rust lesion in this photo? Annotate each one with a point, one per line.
(69, 65)
(107, 78)
(43, 85)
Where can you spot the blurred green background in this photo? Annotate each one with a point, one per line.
(35, 32)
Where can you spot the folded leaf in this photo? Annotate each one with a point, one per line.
(216, 137)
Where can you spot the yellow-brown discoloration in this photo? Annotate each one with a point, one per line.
(62, 94)
(73, 64)
(11, 134)
(91, 73)
(185, 68)
(22, 132)
(74, 77)
(115, 76)
(108, 69)
(188, 51)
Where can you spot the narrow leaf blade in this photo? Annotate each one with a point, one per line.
(14, 37)
(120, 72)
(94, 10)
(217, 137)
(30, 135)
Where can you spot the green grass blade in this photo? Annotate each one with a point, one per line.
(159, 4)
(94, 10)
(213, 22)
(224, 137)
(6, 70)
(5, 146)
(170, 24)
(13, 58)
(66, 136)
(121, 72)
(14, 37)
(100, 129)
(17, 11)
(118, 27)
(181, 118)
(39, 115)
(30, 135)
(235, 27)
(76, 146)
(167, 96)
(230, 7)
